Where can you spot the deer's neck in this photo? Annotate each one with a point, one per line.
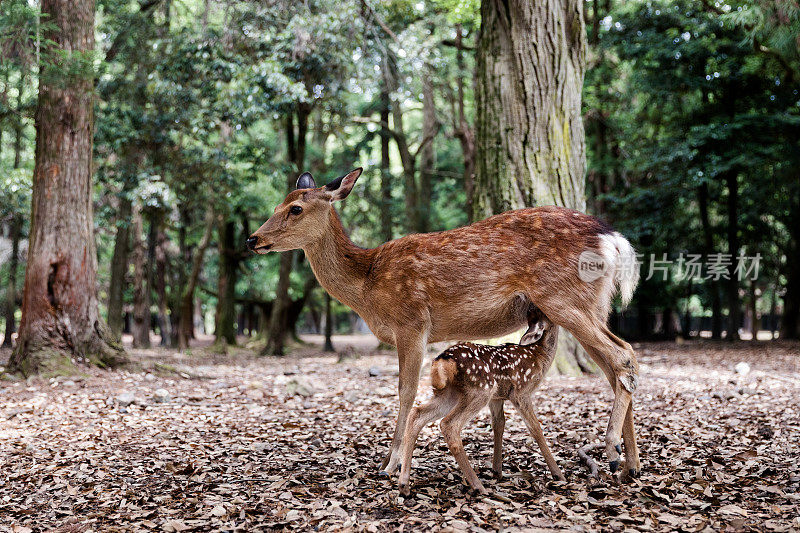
(340, 266)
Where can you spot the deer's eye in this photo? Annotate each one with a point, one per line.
(295, 210)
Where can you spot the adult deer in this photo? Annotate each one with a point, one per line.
(471, 283)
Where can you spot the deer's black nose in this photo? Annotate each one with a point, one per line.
(251, 242)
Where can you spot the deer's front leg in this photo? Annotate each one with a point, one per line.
(410, 350)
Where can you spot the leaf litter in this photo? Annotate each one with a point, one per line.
(205, 442)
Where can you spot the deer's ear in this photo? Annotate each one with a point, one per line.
(341, 187)
(306, 181)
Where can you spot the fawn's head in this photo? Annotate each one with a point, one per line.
(303, 216)
(538, 325)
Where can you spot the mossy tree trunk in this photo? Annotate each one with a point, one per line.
(60, 321)
(229, 257)
(530, 147)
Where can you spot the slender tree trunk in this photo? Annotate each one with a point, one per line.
(530, 146)
(140, 327)
(530, 139)
(464, 131)
(224, 327)
(60, 319)
(734, 313)
(296, 149)
(753, 310)
(428, 155)
(119, 267)
(708, 240)
(16, 229)
(186, 324)
(18, 124)
(161, 264)
(11, 288)
(328, 325)
(386, 176)
(790, 321)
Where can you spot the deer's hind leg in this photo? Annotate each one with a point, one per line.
(618, 361)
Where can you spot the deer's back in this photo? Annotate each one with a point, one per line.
(477, 281)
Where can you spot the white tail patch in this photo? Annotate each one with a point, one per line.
(623, 268)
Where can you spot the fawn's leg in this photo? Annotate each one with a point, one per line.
(498, 426)
(420, 417)
(524, 406)
(467, 407)
(410, 349)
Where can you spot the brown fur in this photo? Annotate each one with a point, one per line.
(443, 373)
(467, 283)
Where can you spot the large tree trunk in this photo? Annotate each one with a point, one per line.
(530, 139)
(529, 133)
(224, 327)
(60, 320)
(119, 267)
(140, 326)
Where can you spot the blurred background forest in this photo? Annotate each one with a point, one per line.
(206, 112)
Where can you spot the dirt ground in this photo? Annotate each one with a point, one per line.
(238, 442)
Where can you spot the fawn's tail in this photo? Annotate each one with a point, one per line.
(443, 372)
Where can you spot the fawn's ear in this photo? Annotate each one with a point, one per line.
(341, 187)
(534, 333)
(306, 181)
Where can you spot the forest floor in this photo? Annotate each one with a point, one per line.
(239, 442)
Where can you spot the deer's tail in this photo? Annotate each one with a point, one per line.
(623, 268)
(443, 373)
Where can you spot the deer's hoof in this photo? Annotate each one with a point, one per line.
(384, 473)
(613, 465)
(405, 490)
(634, 472)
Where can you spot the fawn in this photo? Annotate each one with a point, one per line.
(467, 376)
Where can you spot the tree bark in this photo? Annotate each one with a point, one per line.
(140, 326)
(60, 319)
(119, 267)
(224, 326)
(530, 139)
(530, 147)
